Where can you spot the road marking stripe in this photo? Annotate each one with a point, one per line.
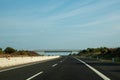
(34, 75)
(54, 65)
(95, 70)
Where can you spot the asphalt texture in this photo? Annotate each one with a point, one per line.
(64, 68)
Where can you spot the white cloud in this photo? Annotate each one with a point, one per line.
(51, 5)
(81, 11)
(51, 20)
(103, 19)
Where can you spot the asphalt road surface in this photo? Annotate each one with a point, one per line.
(64, 68)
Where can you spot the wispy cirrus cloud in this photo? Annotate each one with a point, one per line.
(104, 19)
(49, 6)
(46, 22)
(84, 10)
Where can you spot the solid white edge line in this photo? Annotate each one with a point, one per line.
(54, 65)
(34, 75)
(95, 70)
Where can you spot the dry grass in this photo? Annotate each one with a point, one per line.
(19, 54)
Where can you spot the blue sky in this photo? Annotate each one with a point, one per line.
(59, 24)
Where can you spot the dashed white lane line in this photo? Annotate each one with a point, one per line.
(54, 65)
(95, 70)
(34, 75)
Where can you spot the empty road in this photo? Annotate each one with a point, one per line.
(64, 68)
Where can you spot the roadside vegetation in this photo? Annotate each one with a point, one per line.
(100, 53)
(11, 52)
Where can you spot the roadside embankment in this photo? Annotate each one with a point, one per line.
(12, 61)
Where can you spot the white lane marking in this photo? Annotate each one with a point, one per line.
(34, 75)
(95, 70)
(23, 65)
(54, 65)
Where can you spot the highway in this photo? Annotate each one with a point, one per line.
(64, 68)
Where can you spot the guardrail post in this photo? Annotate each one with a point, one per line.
(113, 59)
(97, 57)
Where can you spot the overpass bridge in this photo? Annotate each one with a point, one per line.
(56, 50)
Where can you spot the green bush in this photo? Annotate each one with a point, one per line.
(0, 50)
(9, 50)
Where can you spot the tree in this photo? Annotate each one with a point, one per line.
(9, 50)
(104, 50)
(117, 52)
(0, 50)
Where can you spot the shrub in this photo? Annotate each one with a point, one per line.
(9, 50)
(0, 50)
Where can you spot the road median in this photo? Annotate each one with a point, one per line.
(13, 61)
